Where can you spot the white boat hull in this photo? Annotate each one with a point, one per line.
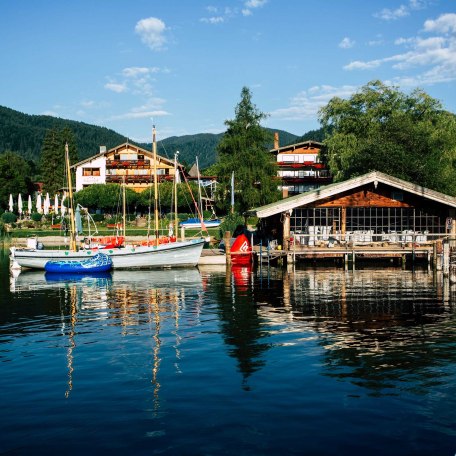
(175, 254)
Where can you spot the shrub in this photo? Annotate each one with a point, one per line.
(9, 217)
(36, 217)
(97, 217)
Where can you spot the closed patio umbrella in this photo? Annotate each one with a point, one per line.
(10, 203)
(63, 207)
(29, 204)
(19, 204)
(39, 206)
(47, 204)
(56, 204)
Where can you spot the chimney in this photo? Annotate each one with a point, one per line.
(102, 149)
(276, 140)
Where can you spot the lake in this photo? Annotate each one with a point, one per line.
(209, 361)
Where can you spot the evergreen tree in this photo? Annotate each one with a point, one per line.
(243, 150)
(53, 168)
(14, 177)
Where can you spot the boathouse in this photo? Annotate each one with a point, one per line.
(372, 210)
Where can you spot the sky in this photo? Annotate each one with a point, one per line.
(181, 64)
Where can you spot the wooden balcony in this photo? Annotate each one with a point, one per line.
(137, 179)
(128, 164)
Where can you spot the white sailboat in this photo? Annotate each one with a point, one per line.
(161, 255)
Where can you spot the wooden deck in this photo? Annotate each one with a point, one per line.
(349, 253)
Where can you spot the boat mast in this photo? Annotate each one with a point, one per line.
(176, 219)
(124, 208)
(200, 199)
(70, 195)
(154, 149)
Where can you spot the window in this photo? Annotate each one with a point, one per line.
(90, 171)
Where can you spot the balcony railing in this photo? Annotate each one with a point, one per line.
(128, 164)
(137, 179)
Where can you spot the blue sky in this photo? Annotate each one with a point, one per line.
(183, 63)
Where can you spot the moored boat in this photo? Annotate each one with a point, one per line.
(97, 263)
(196, 223)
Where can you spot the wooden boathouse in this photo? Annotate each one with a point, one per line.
(370, 216)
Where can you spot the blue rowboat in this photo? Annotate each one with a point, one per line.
(98, 263)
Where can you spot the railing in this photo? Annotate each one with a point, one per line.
(137, 179)
(131, 164)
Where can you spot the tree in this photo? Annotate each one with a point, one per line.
(380, 128)
(107, 197)
(53, 168)
(243, 150)
(14, 177)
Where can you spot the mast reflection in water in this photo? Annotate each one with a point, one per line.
(228, 361)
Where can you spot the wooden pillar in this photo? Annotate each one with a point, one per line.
(227, 239)
(343, 222)
(286, 231)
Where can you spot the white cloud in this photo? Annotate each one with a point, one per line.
(359, 65)
(116, 87)
(151, 31)
(213, 20)
(434, 56)
(140, 115)
(403, 10)
(446, 23)
(249, 5)
(305, 104)
(50, 113)
(132, 72)
(391, 15)
(346, 43)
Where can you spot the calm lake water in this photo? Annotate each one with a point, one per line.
(208, 362)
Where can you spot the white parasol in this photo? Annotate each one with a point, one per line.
(47, 204)
(19, 204)
(63, 208)
(56, 204)
(11, 204)
(39, 207)
(29, 204)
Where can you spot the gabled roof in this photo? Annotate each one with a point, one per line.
(118, 149)
(292, 147)
(334, 189)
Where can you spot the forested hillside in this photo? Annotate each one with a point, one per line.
(24, 134)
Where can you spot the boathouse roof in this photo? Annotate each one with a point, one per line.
(328, 191)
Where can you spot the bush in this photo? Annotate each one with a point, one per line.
(230, 223)
(97, 217)
(9, 217)
(36, 217)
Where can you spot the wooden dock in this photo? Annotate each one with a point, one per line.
(346, 254)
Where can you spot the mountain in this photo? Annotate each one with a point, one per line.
(24, 134)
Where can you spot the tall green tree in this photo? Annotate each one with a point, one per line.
(380, 128)
(244, 151)
(52, 164)
(14, 177)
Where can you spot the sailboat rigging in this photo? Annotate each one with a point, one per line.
(182, 253)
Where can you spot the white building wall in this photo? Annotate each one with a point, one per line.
(81, 180)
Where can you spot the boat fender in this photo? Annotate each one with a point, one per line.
(40, 246)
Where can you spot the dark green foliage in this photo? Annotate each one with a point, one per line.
(9, 217)
(36, 217)
(53, 165)
(230, 223)
(14, 177)
(107, 197)
(244, 150)
(380, 128)
(312, 135)
(166, 197)
(25, 134)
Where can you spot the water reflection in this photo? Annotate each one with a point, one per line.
(130, 300)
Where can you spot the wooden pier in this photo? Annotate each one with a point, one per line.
(400, 254)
